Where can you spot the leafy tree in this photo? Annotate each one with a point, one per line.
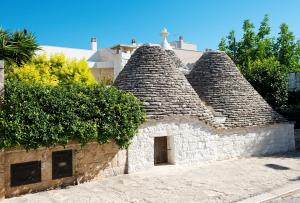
(264, 44)
(263, 60)
(246, 47)
(55, 70)
(229, 45)
(287, 48)
(268, 78)
(254, 46)
(222, 44)
(264, 29)
(17, 47)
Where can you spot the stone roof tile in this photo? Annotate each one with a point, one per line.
(152, 76)
(220, 85)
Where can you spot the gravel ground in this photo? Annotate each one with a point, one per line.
(224, 181)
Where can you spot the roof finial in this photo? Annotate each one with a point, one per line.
(165, 44)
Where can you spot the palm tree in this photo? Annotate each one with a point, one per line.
(17, 47)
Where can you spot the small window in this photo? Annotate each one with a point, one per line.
(25, 173)
(62, 164)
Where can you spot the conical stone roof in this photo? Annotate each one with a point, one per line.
(178, 63)
(151, 75)
(219, 83)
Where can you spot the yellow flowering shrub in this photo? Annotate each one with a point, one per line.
(56, 69)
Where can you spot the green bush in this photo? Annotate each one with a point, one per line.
(268, 78)
(42, 116)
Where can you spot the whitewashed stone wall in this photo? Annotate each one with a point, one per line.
(191, 141)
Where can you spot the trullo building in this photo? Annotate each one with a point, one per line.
(183, 128)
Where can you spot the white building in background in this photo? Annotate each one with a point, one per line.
(108, 62)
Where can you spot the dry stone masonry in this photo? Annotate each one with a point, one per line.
(219, 83)
(233, 110)
(153, 77)
(189, 123)
(178, 63)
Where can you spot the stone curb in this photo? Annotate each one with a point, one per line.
(267, 197)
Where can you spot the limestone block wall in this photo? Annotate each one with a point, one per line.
(191, 141)
(89, 162)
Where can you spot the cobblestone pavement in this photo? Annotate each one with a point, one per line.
(224, 181)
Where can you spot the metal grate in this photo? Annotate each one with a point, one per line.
(62, 164)
(25, 173)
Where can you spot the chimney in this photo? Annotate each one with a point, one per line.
(94, 44)
(180, 42)
(133, 42)
(165, 44)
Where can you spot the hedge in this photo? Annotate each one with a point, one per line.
(35, 116)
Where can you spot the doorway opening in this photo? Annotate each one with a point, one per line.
(160, 150)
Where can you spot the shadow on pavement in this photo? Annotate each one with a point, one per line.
(277, 167)
(295, 179)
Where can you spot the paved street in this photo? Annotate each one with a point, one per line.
(293, 197)
(225, 181)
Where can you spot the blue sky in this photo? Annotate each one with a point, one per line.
(71, 23)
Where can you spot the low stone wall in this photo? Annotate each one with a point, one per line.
(89, 162)
(297, 138)
(191, 142)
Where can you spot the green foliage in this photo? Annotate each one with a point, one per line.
(55, 70)
(267, 77)
(36, 115)
(287, 48)
(17, 47)
(229, 45)
(264, 29)
(222, 44)
(257, 46)
(265, 60)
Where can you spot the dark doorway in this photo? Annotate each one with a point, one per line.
(160, 150)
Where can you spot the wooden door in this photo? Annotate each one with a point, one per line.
(160, 150)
